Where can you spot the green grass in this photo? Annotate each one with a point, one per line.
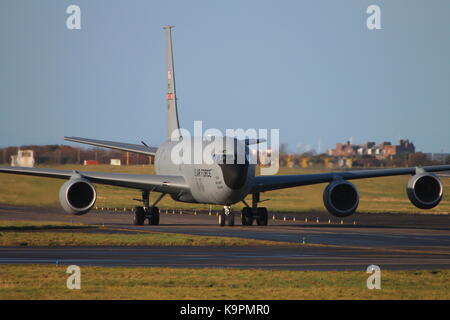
(385, 194)
(49, 282)
(31, 233)
(23, 225)
(122, 239)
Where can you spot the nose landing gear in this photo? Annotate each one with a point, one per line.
(249, 214)
(226, 217)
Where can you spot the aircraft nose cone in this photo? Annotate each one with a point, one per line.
(234, 175)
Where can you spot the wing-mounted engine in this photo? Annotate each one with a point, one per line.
(341, 198)
(424, 190)
(77, 196)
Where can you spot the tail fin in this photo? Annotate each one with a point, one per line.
(172, 112)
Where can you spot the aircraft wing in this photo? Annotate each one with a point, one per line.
(267, 183)
(159, 183)
(129, 147)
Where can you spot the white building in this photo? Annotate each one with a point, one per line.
(115, 162)
(24, 158)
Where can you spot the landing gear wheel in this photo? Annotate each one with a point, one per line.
(222, 218)
(247, 216)
(230, 219)
(139, 216)
(261, 219)
(154, 216)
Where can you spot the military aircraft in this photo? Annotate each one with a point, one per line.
(219, 182)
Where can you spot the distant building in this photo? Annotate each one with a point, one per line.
(116, 162)
(344, 150)
(380, 151)
(90, 162)
(263, 157)
(24, 158)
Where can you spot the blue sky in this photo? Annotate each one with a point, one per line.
(310, 68)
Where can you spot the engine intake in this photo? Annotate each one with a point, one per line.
(77, 196)
(424, 190)
(341, 198)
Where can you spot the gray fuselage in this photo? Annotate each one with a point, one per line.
(211, 181)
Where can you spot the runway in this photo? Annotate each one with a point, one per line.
(291, 258)
(394, 244)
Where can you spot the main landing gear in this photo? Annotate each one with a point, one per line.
(258, 214)
(254, 213)
(151, 213)
(249, 214)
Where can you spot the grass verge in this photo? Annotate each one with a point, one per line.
(121, 239)
(24, 225)
(30, 233)
(49, 282)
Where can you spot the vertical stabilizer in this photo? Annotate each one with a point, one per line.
(172, 112)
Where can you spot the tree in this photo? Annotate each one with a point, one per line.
(447, 159)
(284, 148)
(417, 159)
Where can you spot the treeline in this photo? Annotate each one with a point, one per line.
(401, 160)
(62, 154)
(324, 160)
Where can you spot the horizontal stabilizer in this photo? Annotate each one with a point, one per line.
(254, 141)
(128, 147)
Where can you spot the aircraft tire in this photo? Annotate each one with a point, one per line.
(247, 216)
(230, 219)
(262, 218)
(154, 216)
(139, 216)
(222, 219)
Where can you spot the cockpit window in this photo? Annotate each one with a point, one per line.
(232, 158)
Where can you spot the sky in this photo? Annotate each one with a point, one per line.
(311, 69)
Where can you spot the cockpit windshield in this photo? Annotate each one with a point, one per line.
(232, 158)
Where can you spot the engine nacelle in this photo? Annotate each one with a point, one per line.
(424, 190)
(341, 198)
(77, 196)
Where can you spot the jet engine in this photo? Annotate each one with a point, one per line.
(424, 190)
(341, 198)
(77, 196)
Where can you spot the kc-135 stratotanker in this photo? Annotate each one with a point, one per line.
(226, 182)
